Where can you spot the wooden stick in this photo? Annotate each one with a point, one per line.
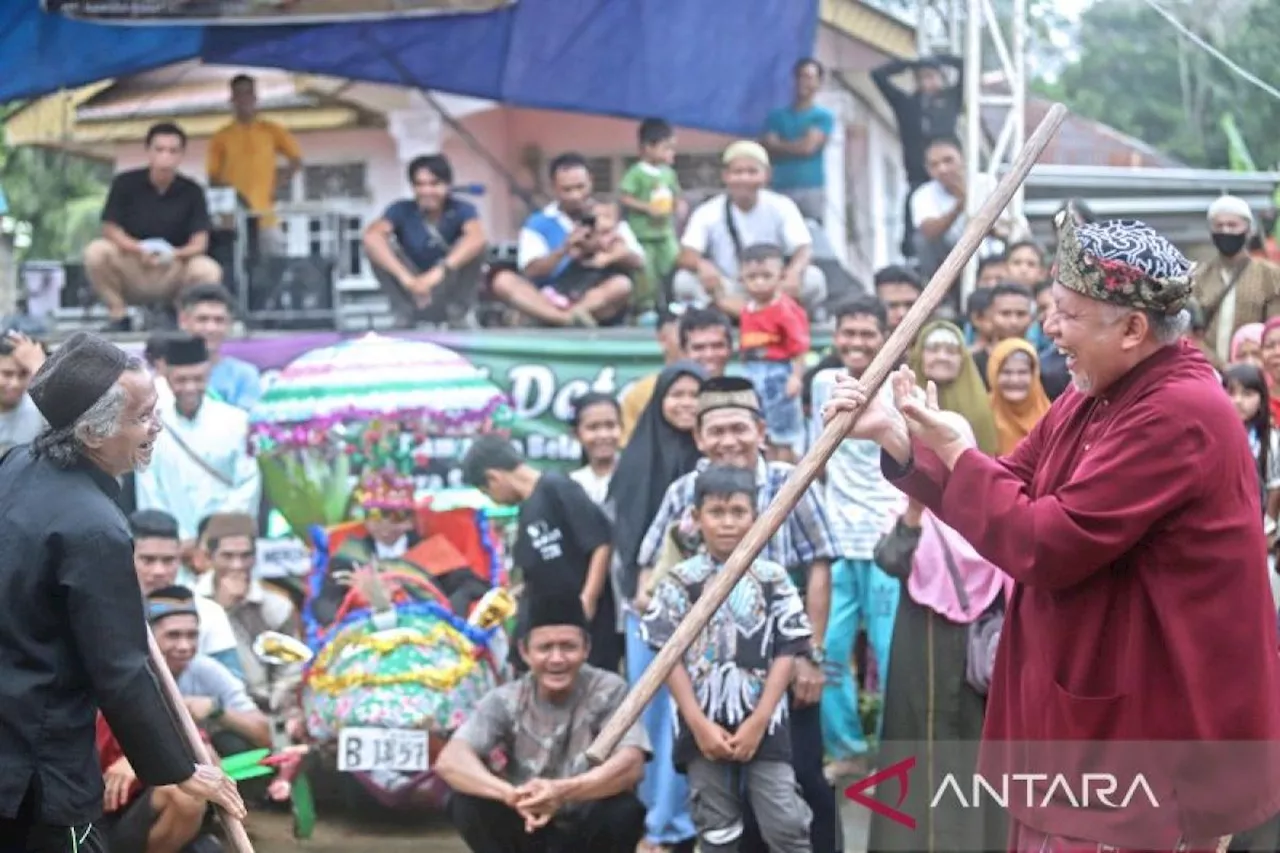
(235, 829)
(807, 470)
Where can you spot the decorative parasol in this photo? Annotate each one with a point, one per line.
(370, 402)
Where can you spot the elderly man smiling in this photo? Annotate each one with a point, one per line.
(1129, 519)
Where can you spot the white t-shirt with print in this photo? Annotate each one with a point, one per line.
(774, 219)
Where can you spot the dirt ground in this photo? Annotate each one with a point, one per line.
(272, 833)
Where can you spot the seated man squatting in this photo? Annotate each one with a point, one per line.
(139, 819)
(537, 729)
(217, 700)
(575, 257)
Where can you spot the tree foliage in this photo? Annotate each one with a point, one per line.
(1135, 72)
(60, 195)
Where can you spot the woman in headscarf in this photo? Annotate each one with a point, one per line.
(1271, 364)
(935, 695)
(1246, 344)
(660, 451)
(939, 355)
(1018, 400)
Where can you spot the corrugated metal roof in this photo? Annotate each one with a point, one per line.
(188, 89)
(1084, 142)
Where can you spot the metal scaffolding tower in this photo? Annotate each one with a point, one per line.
(974, 30)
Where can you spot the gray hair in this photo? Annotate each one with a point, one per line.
(1168, 328)
(65, 447)
(1165, 328)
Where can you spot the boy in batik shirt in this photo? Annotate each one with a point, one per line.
(730, 689)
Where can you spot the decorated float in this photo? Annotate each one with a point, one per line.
(405, 605)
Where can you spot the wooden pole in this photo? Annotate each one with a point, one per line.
(807, 470)
(235, 829)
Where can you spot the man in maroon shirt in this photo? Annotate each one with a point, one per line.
(1140, 635)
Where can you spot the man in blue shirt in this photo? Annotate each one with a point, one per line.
(427, 251)
(795, 137)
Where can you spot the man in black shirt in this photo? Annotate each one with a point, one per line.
(564, 539)
(928, 112)
(73, 636)
(155, 233)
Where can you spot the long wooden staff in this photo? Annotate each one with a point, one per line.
(235, 829)
(807, 470)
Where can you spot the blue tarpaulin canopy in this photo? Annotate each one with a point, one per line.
(697, 63)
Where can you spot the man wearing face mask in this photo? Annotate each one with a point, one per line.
(1233, 288)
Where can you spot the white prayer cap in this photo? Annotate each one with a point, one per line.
(746, 148)
(1229, 205)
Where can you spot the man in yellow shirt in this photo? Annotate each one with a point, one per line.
(246, 153)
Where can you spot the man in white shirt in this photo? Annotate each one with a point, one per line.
(746, 214)
(157, 558)
(938, 207)
(575, 256)
(201, 464)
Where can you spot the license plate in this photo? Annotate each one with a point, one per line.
(368, 749)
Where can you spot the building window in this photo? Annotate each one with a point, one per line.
(601, 170)
(323, 182)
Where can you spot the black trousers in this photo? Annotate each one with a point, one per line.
(615, 825)
(25, 834)
(806, 759)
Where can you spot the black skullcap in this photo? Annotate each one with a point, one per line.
(75, 377)
(186, 350)
(157, 347)
(552, 608)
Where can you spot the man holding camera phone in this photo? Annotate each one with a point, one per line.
(575, 256)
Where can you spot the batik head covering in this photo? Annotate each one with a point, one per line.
(1123, 262)
(965, 394)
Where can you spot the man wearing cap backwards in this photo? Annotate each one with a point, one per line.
(731, 431)
(743, 215)
(1233, 288)
(72, 636)
(1129, 520)
(546, 797)
(202, 463)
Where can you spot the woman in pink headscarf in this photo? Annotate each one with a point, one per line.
(1271, 363)
(933, 711)
(1246, 344)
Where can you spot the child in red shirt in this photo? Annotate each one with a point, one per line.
(774, 340)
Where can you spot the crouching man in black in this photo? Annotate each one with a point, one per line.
(545, 798)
